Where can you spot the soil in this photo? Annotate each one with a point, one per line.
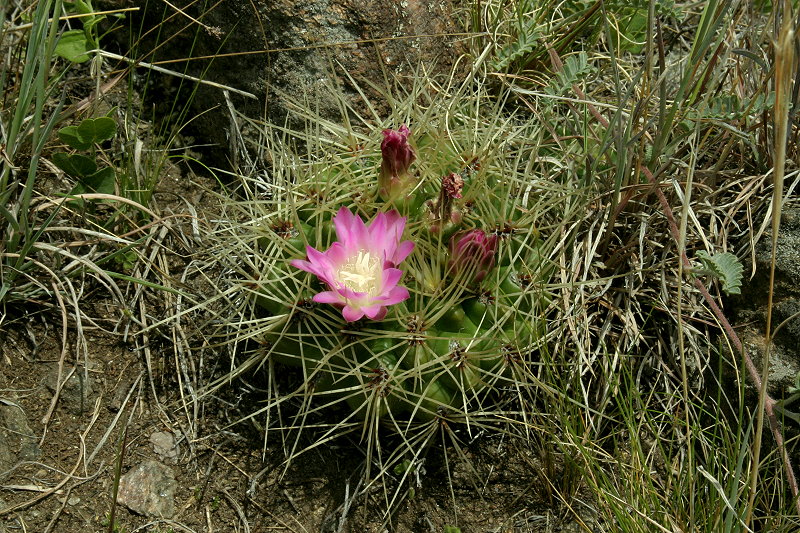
(120, 389)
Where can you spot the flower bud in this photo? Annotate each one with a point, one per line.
(394, 179)
(472, 255)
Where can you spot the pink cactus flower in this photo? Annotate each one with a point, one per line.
(472, 254)
(394, 179)
(360, 268)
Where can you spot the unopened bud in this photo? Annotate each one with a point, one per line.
(395, 179)
(472, 254)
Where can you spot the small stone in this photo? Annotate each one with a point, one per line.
(148, 489)
(164, 445)
(17, 441)
(74, 500)
(77, 391)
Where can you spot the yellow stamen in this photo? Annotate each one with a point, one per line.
(362, 273)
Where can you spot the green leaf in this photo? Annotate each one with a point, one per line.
(97, 129)
(76, 165)
(74, 46)
(69, 135)
(88, 132)
(82, 7)
(402, 467)
(726, 267)
(90, 30)
(102, 181)
(526, 42)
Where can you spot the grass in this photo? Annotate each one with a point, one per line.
(631, 137)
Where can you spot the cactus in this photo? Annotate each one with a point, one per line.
(411, 305)
(397, 296)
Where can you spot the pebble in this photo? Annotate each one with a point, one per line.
(149, 489)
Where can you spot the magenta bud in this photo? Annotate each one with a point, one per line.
(397, 156)
(472, 254)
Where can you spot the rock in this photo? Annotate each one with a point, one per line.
(76, 392)
(289, 53)
(148, 489)
(787, 256)
(165, 446)
(752, 306)
(17, 441)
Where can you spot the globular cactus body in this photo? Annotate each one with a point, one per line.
(439, 340)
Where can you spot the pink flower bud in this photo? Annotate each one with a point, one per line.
(394, 179)
(472, 254)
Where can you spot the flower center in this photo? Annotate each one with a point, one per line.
(362, 273)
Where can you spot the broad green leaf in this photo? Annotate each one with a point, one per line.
(82, 7)
(76, 165)
(74, 46)
(69, 135)
(102, 181)
(97, 129)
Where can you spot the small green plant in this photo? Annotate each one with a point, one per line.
(116, 527)
(91, 176)
(76, 45)
(723, 266)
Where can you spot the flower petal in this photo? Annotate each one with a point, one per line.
(303, 265)
(374, 312)
(328, 297)
(396, 295)
(403, 250)
(352, 314)
(337, 255)
(350, 230)
(390, 278)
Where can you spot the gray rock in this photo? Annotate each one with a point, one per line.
(76, 392)
(785, 353)
(787, 254)
(289, 53)
(17, 441)
(165, 446)
(149, 489)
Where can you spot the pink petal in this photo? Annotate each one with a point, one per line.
(390, 278)
(350, 230)
(342, 221)
(352, 314)
(302, 265)
(321, 273)
(350, 294)
(396, 295)
(328, 297)
(403, 250)
(374, 312)
(317, 258)
(337, 255)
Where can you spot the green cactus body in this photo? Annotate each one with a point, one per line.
(378, 385)
(293, 345)
(432, 396)
(449, 350)
(481, 310)
(400, 364)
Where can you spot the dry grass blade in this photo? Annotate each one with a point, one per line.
(784, 74)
